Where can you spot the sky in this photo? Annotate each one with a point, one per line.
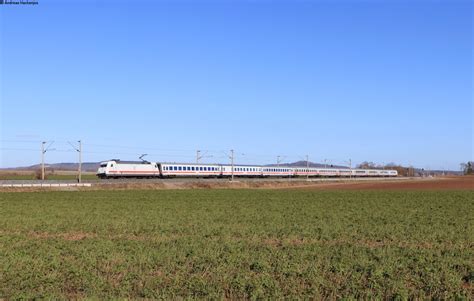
(381, 81)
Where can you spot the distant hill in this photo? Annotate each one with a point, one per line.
(86, 166)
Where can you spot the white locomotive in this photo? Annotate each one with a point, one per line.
(144, 169)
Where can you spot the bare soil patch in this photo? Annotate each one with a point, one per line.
(445, 183)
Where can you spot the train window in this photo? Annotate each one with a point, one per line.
(205, 168)
(192, 168)
(179, 168)
(111, 165)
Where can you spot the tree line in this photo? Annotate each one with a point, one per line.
(468, 168)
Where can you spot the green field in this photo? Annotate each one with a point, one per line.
(236, 244)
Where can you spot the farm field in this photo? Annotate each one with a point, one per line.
(237, 243)
(58, 175)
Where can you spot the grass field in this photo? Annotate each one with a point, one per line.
(237, 244)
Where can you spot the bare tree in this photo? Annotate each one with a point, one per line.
(467, 168)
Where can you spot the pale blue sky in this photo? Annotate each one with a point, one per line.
(368, 80)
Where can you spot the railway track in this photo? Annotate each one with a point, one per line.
(39, 183)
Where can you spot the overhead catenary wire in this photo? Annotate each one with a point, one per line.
(185, 154)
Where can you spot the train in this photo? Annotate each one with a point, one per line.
(114, 169)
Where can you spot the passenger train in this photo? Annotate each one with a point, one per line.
(143, 169)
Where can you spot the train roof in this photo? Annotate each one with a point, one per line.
(129, 162)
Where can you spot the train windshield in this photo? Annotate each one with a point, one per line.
(103, 165)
